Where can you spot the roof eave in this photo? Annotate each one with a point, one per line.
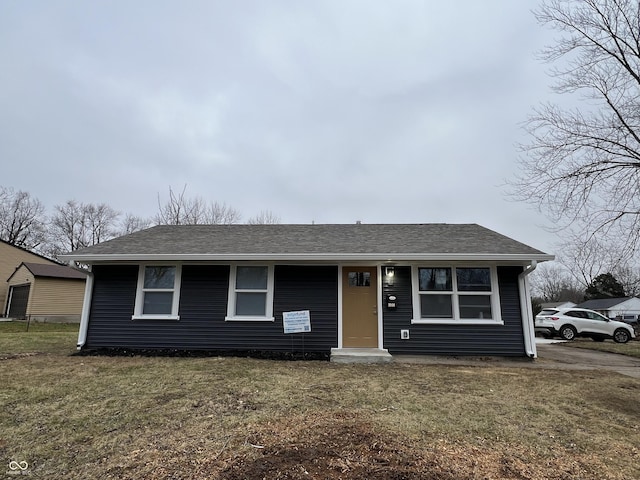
(337, 257)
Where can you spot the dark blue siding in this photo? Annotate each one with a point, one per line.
(499, 340)
(112, 303)
(203, 307)
(307, 288)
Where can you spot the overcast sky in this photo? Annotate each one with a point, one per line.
(327, 111)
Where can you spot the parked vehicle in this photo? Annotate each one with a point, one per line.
(630, 320)
(569, 323)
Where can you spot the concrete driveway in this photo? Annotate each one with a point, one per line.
(553, 355)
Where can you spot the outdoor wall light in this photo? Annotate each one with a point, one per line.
(389, 271)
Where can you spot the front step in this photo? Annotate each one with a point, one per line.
(360, 355)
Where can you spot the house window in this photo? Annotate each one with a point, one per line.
(158, 292)
(250, 293)
(359, 279)
(448, 294)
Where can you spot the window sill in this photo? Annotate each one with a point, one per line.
(249, 319)
(155, 317)
(450, 321)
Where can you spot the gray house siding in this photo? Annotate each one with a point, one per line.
(203, 307)
(500, 340)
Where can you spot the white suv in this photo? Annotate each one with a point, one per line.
(570, 323)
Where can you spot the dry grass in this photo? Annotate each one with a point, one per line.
(22, 338)
(231, 418)
(631, 348)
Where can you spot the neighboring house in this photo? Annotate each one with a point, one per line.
(614, 307)
(436, 289)
(557, 305)
(47, 293)
(10, 257)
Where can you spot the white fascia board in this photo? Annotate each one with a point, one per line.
(338, 257)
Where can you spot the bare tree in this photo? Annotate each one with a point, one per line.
(586, 258)
(178, 210)
(22, 219)
(583, 164)
(101, 220)
(77, 225)
(183, 210)
(221, 214)
(265, 217)
(132, 223)
(552, 282)
(629, 277)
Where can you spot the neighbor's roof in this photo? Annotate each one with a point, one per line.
(386, 242)
(53, 271)
(557, 304)
(603, 303)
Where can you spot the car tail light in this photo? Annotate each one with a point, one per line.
(554, 318)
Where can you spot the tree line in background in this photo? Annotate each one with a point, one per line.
(24, 221)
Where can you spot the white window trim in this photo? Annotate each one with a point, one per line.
(456, 320)
(231, 303)
(139, 304)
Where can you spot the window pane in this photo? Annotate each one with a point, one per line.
(473, 279)
(436, 306)
(253, 304)
(251, 278)
(434, 279)
(595, 316)
(359, 279)
(159, 277)
(157, 302)
(475, 306)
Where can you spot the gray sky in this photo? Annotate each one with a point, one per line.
(325, 111)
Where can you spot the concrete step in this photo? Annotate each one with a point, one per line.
(360, 355)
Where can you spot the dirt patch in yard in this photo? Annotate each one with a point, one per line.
(345, 446)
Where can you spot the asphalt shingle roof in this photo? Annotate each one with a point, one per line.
(339, 239)
(54, 271)
(603, 303)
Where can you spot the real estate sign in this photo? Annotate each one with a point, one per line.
(296, 322)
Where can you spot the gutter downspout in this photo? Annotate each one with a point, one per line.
(526, 312)
(86, 308)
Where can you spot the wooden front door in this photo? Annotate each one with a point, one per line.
(359, 307)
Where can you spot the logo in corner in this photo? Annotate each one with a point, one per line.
(16, 468)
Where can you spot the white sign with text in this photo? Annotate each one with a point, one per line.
(296, 322)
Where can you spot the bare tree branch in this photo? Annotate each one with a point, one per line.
(183, 210)
(77, 225)
(582, 165)
(22, 219)
(265, 217)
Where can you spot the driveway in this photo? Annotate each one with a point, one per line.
(553, 355)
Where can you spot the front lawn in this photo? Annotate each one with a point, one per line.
(95, 417)
(22, 338)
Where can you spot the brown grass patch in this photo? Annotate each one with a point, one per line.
(232, 418)
(631, 348)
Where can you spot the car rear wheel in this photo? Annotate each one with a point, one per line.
(621, 336)
(568, 332)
